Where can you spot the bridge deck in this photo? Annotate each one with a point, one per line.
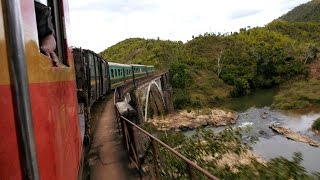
(108, 158)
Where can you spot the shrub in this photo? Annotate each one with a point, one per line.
(182, 99)
(316, 125)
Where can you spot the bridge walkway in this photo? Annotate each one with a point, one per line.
(108, 158)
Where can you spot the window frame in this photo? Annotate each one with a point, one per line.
(58, 20)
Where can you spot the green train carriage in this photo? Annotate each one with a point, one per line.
(119, 73)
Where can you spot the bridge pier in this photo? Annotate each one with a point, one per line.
(155, 95)
(167, 92)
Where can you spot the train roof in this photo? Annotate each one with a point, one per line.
(118, 64)
(90, 51)
(139, 65)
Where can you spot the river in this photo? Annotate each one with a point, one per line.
(255, 113)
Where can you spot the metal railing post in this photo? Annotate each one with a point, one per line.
(155, 158)
(191, 173)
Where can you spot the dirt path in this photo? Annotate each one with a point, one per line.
(107, 156)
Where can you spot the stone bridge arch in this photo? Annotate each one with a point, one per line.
(155, 100)
(148, 98)
(152, 98)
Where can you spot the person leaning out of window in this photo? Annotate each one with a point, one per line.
(46, 34)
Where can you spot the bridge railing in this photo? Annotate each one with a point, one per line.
(151, 156)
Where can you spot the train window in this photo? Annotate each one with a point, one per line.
(43, 2)
(111, 74)
(58, 19)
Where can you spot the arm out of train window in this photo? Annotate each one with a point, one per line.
(59, 24)
(46, 33)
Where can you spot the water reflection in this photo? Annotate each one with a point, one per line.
(260, 98)
(280, 146)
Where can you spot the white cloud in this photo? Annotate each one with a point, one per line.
(98, 24)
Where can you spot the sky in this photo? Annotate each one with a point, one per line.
(99, 24)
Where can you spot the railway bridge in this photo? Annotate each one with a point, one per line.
(123, 150)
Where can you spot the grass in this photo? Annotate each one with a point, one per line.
(298, 95)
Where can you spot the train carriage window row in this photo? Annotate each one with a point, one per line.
(105, 76)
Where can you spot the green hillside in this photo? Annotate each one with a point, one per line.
(142, 51)
(306, 12)
(249, 59)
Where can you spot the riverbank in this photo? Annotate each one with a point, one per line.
(298, 95)
(184, 120)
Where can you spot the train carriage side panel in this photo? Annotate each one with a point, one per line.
(100, 77)
(128, 75)
(53, 103)
(108, 77)
(139, 70)
(150, 69)
(97, 76)
(103, 76)
(93, 92)
(81, 74)
(117, 75)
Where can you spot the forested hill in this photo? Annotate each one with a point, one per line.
(142, 51)
(306, 12)
(253, 58)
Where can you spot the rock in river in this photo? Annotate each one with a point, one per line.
(288, 133)
(185, 120)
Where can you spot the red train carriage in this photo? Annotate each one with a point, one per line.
(39, 124)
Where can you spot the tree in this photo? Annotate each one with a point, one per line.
(220, 63)
(311, 53)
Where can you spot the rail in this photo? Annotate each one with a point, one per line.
(130, 132)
